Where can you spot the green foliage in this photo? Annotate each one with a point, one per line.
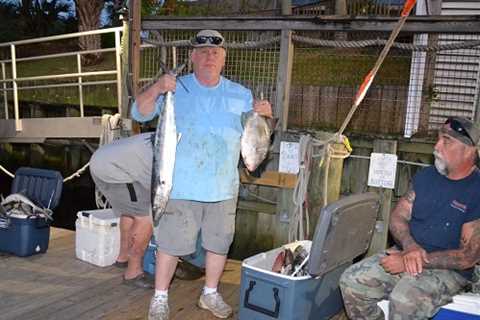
(31, 19)
(8, 22)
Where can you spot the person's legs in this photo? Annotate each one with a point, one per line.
(215, 264)
(121, 171)
(126, 224)
(139, 236)
(420, 297)
(175, 235)
(363, 285)
(218, 228)
(164, 270)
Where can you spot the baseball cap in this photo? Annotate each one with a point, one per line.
(462, 129)
(208, 38)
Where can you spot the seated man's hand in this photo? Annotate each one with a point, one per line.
(414, 257)
(393, 262)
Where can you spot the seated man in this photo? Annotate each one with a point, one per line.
(437, 228)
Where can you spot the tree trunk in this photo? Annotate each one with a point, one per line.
(88, 13)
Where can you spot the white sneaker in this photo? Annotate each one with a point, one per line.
(215, 304)
(158, 308)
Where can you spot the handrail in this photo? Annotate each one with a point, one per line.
(60, 55)
(61, 36)
(63, 75)
(79, 75)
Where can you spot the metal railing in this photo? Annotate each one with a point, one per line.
(11, 82)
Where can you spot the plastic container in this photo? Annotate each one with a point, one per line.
(197, 258)
(97, 237)
(266, 295)
(24, 235)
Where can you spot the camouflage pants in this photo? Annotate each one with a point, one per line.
(411, 297)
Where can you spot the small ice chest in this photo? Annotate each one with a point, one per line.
(197, 258)
(343, 232)
(97, 237)
(25, 236)
(465, 306)
(149, 257)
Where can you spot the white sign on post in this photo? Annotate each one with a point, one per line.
(383, 167)
(288, 162)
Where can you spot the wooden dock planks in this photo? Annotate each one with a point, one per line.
(56, 285)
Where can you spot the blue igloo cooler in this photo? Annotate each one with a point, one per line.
(28, 235)
(197, 258)
(343, 232)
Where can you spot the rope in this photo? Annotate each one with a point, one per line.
(327, 43)
(382, 42)
(230, 45)
(298, 230)
(111, 130)
(300, 223)
(77, 173)
(8, 173)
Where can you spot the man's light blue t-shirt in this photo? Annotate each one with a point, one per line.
(209, 121)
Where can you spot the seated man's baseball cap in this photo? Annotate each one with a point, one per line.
(462, 129)
(208, 38)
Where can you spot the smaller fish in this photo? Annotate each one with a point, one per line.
(17, 203)
(255, 141)
(278, 263)
(288, 262)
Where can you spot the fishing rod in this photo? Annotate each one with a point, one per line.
(407, 8)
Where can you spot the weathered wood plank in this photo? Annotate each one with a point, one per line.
(56, 285)
(271, 178)
(425, 24)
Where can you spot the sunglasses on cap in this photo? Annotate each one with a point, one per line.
(209, 39)
(457, 126)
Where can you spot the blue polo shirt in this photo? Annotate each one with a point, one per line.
(441, 207)
(209, 121)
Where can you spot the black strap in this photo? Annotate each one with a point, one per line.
(131, 190)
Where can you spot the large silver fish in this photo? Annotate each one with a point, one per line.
(255, 141)
(164, 150)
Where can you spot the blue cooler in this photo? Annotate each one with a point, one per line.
(28, 235)
(465, 306)
(197, 258)
(149, 257)
(343, 232)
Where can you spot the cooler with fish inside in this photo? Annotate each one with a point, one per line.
(299, 281)
(26, 214)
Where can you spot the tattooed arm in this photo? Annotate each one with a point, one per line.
(413, 255)
(399, 219)
(463, 258)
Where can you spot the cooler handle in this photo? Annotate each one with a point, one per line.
(273, 314)
(4, 223)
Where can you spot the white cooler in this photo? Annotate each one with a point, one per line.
(97, 237)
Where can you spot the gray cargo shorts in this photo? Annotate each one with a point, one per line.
(177, 231)
(122, 170)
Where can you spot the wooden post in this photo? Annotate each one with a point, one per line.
(284, 78)
(286, 7)
(379, 240)
(135, 43)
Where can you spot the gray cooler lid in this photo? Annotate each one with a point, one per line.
(343, 232)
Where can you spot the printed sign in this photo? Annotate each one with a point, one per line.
(288, 162)
(383, 167)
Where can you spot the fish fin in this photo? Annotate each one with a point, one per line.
(243, 118)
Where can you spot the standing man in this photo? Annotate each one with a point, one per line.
(437, 228)
(208, 110)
